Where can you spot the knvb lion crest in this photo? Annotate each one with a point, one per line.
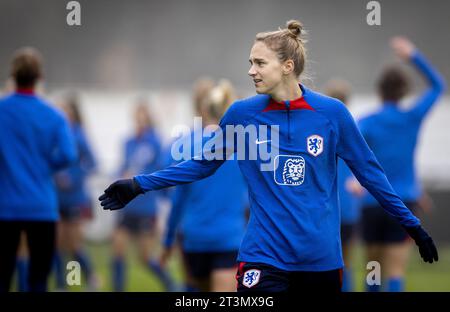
(251, 278)
(293, 170)
(314, 144)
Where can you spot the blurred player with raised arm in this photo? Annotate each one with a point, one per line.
(392, 133)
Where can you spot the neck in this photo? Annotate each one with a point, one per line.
(288, 92)
(140, 131)
(207, 121)
(25, 90)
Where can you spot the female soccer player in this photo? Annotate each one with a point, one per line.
(392, 134)
(35, 142)
(292, 242)
(211, 212)
(142, 154)
(74, 199)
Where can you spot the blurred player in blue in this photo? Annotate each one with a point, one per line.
(142, 153)
(392, 133)
(349, 191)
(75, 204)
(22, 251)
(35, 142)
(211, 211)
(292, 242)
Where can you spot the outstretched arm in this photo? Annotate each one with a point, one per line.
(185, 172)
(354, 150)
(120, 193)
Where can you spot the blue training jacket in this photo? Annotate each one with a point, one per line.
(294, 222)
(211, 211)
(71, 182)
(142, 155)
(35, 142)
(392, 134)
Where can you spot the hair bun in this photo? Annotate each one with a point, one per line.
(295, 27)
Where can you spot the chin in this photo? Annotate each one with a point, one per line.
(260, 90)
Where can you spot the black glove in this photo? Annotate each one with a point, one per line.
(427, 249)
(119, 194)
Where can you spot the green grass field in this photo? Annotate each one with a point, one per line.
(420, 277)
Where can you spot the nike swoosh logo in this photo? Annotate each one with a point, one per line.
(261, 142)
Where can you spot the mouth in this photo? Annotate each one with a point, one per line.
(255, 81)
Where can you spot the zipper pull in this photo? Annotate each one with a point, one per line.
(288, 106)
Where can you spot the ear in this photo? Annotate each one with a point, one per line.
(288, 67)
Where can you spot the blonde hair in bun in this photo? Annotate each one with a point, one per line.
(288, 43)
(295, 27)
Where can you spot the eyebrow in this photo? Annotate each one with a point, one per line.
(256, 59)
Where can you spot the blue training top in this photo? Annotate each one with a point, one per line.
(71, 182)
(211, 211)
(35, 141)
(142, 155)
(294, 218)
(392, 134)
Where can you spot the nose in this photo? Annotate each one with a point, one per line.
(252, 71)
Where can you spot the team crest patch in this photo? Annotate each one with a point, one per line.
(251, 278)
(289, 170)
(314, 144)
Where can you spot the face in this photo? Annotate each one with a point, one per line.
(141, 116)
(265, 69)
(295, 170)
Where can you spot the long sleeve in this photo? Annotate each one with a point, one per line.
(352, 147)
(431, 94)
(196, 168)
(185, 172)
